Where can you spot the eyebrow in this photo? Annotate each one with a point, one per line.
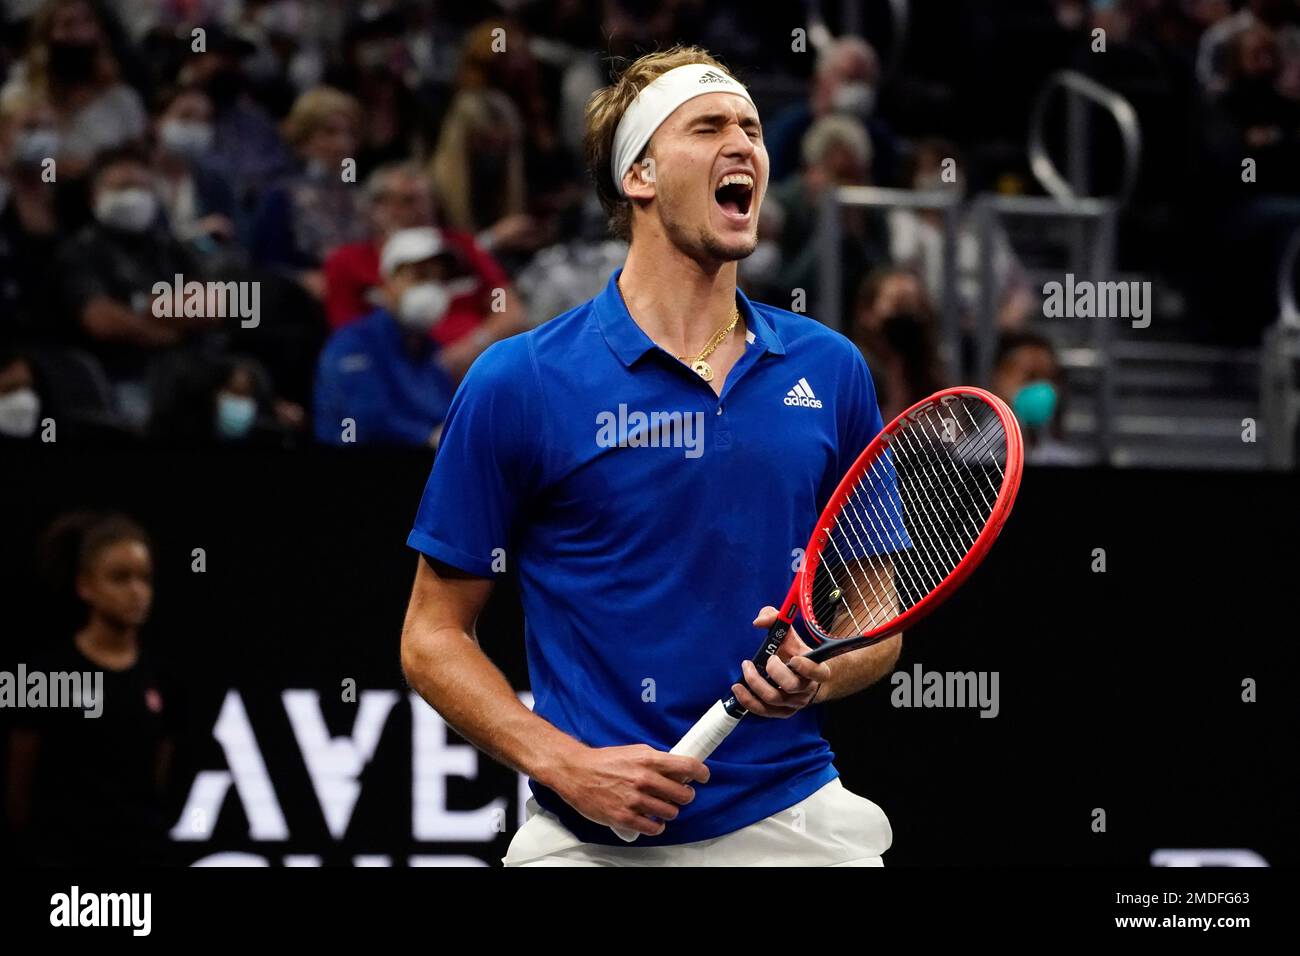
(721, 119)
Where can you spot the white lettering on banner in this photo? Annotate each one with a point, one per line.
(335, 763)
(247, 773)
(433, 761)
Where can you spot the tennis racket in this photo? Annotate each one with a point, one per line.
(908, 523)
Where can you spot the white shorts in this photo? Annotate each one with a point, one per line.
(833, 827)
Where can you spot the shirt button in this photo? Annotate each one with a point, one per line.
(719, 409)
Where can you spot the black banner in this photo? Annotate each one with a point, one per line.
(1124, 667)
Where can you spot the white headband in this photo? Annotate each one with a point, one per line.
(656, 102)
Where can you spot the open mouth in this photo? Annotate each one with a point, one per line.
(734, 194)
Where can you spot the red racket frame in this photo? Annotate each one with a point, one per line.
(800, 588)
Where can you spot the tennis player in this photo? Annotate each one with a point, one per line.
(649, 465)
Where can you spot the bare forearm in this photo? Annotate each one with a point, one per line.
(858, 670)
(449, 670)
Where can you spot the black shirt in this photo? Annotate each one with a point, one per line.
(95, 793)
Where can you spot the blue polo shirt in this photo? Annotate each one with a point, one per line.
(649, 520)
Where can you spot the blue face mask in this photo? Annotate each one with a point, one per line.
(1035, 403)
(235, 415)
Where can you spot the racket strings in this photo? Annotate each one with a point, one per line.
(910, 518)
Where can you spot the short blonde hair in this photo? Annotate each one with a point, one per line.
(312, 108)
(606, 108)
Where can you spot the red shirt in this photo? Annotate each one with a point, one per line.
(352, 271)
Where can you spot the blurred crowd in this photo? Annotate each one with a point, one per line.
(389, 187)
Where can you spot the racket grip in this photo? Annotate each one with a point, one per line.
(700, 741)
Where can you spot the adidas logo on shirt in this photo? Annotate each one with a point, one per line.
(712, 76)
(802, 395)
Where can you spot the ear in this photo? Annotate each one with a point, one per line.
(639, 181)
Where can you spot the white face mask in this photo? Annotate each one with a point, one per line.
(132, 210)
(856, 99)
(35, 146)
(20, 412)
(188, 138)
(423, 306)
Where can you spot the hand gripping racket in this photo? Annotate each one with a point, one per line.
(908, 523)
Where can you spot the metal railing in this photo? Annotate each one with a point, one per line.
(830, 272)
(1079, 92)
(1092, 249)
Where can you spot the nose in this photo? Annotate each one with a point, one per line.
(738, 143)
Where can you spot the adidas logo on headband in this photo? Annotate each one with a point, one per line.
(712, 77)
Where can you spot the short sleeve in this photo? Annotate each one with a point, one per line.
(487, 464)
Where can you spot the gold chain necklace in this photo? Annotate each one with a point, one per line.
(702, 368)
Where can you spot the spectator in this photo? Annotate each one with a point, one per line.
(916, 240)
(246, 145)
(20, 398)
(84, 792)
(846, 81)
(1213, 60)
(71, 64)
(1251, 118)
(379, 69)
(896, 329)
(313, 211)
(1028, 377)
(836, 152)
(566, 274)
(204, 400)
(549, 166)
(383, 373)
(199, 203)
(107, 273)
(29, 213)
(478, 175)
(399, 196)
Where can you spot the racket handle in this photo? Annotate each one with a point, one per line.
(700, 741)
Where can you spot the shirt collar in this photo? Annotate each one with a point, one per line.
(629, 342)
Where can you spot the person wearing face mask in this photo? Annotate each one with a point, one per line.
(199, 203)
(400, 196)
(20, 399)
(845, 81)
(71, 63)
(1028, 377)
(895, 328)
(246, 146)
(107, 272)
(30, 220)
(381, 380)
(204, 399)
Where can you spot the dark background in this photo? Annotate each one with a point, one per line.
(1119, 690)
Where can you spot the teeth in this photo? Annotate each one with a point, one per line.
(742, 179)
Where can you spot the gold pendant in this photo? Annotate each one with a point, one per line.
(702, 369)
